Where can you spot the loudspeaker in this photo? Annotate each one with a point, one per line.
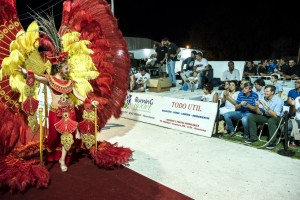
(154, 72)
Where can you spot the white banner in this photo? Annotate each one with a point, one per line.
(191, 116)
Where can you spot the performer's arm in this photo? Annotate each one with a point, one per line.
(41, 79)
(86, 100)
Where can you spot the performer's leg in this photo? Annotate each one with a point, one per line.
(62, 160)
(132, 82)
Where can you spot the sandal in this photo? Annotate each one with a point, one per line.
(63, 166)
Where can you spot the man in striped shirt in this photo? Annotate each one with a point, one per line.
(242, 111)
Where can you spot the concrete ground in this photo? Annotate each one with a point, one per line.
(205, 168)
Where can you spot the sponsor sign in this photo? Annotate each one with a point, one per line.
(191, 116)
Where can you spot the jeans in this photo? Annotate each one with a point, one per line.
(186, 74)
(201, 76)
(255, 119)
(171, 71)
(236, 115)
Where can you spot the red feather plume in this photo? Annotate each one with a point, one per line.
(94, 20)
(111, 156)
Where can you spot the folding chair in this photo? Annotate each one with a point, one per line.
(266, 124)
(261, 130)
(237, 124)
(285, 109)
(281, 136)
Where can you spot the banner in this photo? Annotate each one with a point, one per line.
(191, 116)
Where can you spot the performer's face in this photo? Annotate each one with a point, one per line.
(65, 69)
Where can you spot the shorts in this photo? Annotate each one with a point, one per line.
(161, 67)
(137, 86)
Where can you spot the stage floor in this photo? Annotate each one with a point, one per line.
(205, 168)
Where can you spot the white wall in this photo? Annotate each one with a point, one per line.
(146, 53)
(219, 67)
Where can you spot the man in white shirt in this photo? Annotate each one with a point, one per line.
(201, 68)
(231, 74)
(138, 81)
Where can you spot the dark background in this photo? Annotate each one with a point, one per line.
(223, 30)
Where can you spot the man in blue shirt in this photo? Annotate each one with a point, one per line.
(292, 96)
(259, 88)
(268, 110)
(245, 98)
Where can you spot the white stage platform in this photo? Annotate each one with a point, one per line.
(175, 92)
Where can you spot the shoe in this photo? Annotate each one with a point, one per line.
(293, 144)
(245, 137)
(270, 146)
(231, 134)
(249, 141)
(63, 166)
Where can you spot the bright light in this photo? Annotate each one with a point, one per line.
(187, 46)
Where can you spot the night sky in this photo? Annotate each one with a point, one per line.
(224, 31)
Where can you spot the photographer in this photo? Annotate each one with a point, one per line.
(138, 81)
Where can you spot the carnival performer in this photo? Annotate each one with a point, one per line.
(92, 64)
(62, 116)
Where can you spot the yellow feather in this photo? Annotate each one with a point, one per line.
(32, 33)
(70, 38)
(35, 63)
(10, 64)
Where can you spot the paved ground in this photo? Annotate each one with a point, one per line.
(205, 168)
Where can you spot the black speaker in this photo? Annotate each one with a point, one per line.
(153, 71)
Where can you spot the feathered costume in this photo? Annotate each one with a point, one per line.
(99, 66)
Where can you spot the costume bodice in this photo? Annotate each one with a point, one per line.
(60, 91)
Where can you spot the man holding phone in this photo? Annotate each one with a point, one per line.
(138, 81)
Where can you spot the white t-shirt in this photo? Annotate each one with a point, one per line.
(139, 77)
(228, 105)
(228, 76)
(234, 96)
(297, 107)
(208, 97)
(200, 64)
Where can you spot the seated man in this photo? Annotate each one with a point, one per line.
(249, 69)
(293, 102)
(201, 68)
(242, 110)
(231, 74)
(267, 110)
(186, 73)
(294, 124)
(292, 70)
(138, 81)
